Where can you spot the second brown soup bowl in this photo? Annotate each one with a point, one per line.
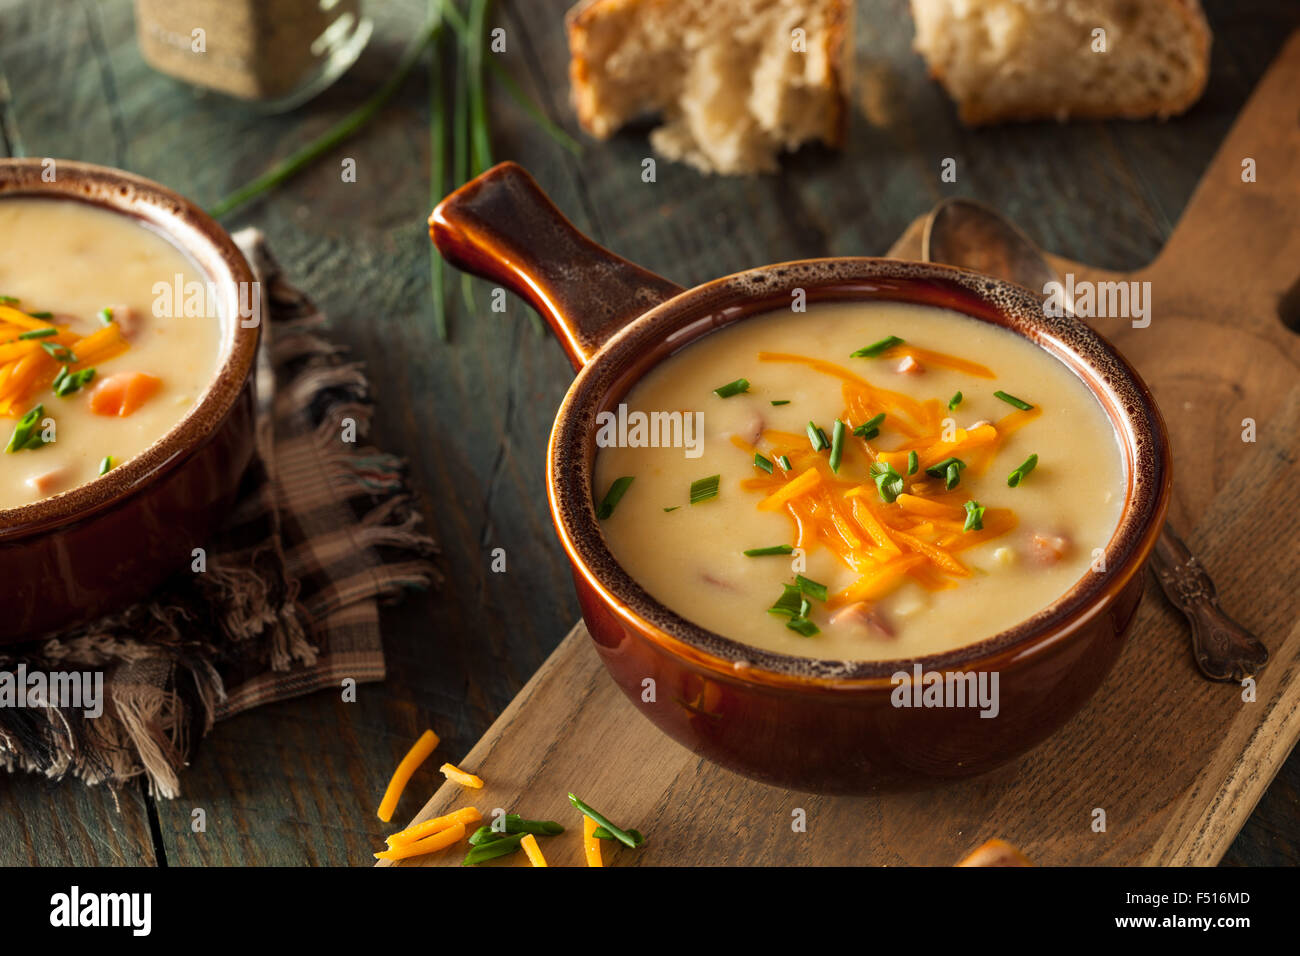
(805, 723)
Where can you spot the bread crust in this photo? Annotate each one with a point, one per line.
(578, 21)
(981, 114)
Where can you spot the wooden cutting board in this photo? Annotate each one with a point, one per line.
(1176, 762)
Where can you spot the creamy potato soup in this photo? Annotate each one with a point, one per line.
(101, 350)
(870, 480)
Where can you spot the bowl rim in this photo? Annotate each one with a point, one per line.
(218, 261)
(660, 332)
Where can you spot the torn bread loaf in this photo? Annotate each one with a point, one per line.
(736, 82)
(1039, 59)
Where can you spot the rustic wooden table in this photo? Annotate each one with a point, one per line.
(297, 782)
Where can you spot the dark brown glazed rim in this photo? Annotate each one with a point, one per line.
(219, 261)
(665, 329)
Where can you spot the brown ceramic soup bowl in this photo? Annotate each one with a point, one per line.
(804, 723)
(94, 549)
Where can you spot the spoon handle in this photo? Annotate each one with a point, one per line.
(1224, 650)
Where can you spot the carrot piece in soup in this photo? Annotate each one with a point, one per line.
(123, 393)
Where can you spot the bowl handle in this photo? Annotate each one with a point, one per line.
(501, 226)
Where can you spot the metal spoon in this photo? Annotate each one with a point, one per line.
(962, 232)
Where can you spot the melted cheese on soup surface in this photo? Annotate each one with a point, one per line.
(904, 575)
(61, 263)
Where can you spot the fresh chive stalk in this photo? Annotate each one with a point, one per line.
(517, 824)
(600, 833)
(780, 401)
(817, 437)
(1012, 400)
(613, 496)
(876, 348)
(627, 837)
(38, 333)
(493, 849)
(41, 315)
(732, 388)
(1024, 468)
(765, 552)
(702, 489)
(837, 444)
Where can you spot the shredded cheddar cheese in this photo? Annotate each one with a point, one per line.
(465, 815)
(917, 536)
(401, 776)
(438, 841)
(529, 843)
(591, 845)
(452, 772)
(26, 365)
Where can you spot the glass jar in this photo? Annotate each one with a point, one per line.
(275, 53)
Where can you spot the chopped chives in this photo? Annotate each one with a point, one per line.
(949, 470)
(784, 462)
(874, 349)
(106, 315)
(1012, 400)
(517, 824)
(837, 445)
(613, 497)
(780, 401)
(106, 465)
(871, 427)
(25, 434)
(974, 516)
(803, 626)
(41, 315)
(1024, 468)
(702, 489)
(889, 483)
(39, 333)
(67, 381)
(765, 552)
(761, 462)
(60, 352)
(732, 388)
(817, 437)
(789, 603)
(811, 588)
(913, 462)
(952, 476)
(954, 402)
(673, 508)
(7, 300)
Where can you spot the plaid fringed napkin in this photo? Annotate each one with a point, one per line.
(322, 531)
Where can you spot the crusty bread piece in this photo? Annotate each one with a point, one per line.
(724, 75)
(1033, 59)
